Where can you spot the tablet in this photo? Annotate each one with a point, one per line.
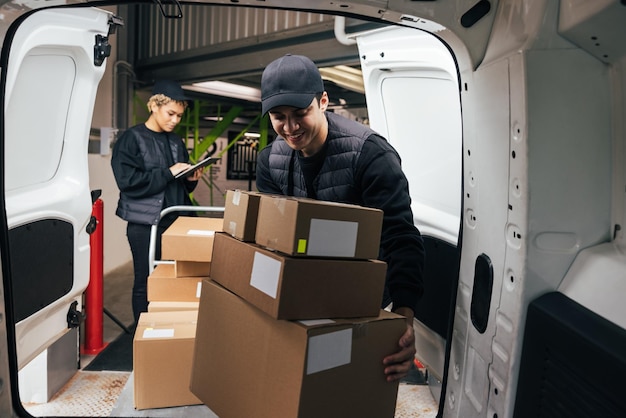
(199, 164)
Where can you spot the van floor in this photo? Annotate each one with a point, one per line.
(110, 393)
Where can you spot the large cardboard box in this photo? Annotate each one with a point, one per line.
(241, 209)
(247, 364)
(163, 285)
(190, 238)
(162, 359)
(307, 227)
(288, 287)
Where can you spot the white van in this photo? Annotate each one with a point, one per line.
(509, 118)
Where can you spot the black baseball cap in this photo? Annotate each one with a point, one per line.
(291, 80)
(171, 89)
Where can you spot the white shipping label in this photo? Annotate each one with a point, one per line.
(199, 290)
(202, 232)
(265, 274)
(232, 227)
(236, 197)
(328, 238)
(329, 350)
(158, 333)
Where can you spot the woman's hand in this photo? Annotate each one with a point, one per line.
(178, 167)
(195, 176)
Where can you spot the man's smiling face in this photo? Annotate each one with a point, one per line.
(305, 129)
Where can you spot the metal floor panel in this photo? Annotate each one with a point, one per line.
(87, 394)
(104, 394)
(415, 401)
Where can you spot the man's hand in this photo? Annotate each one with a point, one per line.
(397, 365)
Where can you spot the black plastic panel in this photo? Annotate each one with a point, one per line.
(441, 273)
(481, 292)
(573, 362)
(42, 258)
(477, 12)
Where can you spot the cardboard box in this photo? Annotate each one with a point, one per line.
(247, 364)
(307, 227)
(168, 306)
(192, 268)
(241, 210)
(190, 238)
(165, 269)
(163, 285)
(162, 359)
(287, 287)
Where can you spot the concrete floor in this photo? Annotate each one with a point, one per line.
(117, 288)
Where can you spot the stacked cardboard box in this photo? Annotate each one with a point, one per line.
(162, 359)
(290, 325)
(164, 286)
(288, 287)
(241, 213)
(188, 246)
(189, 243)
(307, 227)
(248, 364)
(165, 335)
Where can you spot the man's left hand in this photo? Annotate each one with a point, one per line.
(397, 365)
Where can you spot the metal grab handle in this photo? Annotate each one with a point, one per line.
(153, 229)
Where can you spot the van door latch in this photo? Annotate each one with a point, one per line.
(74, 316)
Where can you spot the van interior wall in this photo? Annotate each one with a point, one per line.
(618, 79)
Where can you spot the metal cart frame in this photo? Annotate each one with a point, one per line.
(153, 230)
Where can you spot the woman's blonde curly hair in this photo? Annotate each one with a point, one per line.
(162, 100)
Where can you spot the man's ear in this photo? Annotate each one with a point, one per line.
(324, 100)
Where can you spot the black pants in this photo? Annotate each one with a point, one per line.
(139, 240)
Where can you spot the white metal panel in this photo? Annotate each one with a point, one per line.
(486, 172)
(50, 92)
(595, 26)
(413, 100)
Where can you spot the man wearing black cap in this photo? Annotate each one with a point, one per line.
(145, 159)
(321, 155)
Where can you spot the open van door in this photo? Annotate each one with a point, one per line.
(413, 99)
(52, 63)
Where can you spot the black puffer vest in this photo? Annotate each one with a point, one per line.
(147, 210)
(344, 141)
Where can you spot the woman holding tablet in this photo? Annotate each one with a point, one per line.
(146, 159)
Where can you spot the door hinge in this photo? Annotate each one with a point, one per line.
(102, 47)
(101, 50)
(114, 22)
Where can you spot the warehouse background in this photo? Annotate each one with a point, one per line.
(214, 43)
